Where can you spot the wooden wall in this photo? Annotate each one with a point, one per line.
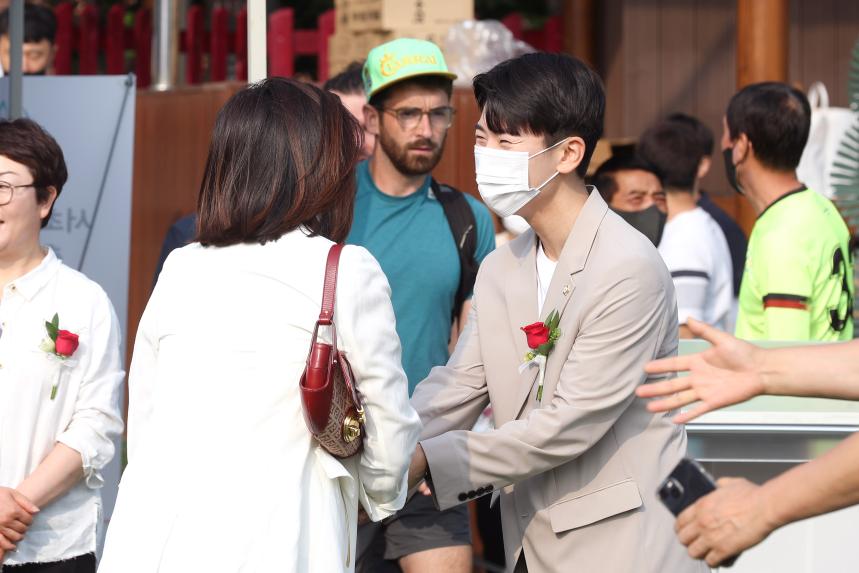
(822, 36)
(171, 140)
(456, 167)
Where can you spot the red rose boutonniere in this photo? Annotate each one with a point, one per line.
(541, 340)
(59, 345)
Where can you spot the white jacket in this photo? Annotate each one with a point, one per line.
(223, 474)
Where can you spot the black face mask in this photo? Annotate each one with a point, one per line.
(731, 169)
(649, 222)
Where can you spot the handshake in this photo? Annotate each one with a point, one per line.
(417, 473)
(16, 515)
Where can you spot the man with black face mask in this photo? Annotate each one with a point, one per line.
(40, 28)
(632, 189)
(798, 283)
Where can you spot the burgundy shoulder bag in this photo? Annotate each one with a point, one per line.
(333, 410)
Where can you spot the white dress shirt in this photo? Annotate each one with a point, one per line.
(85, 414)
(545, 269)
(223, 474)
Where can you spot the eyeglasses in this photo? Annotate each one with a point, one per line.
(7, 190)
(410, 117)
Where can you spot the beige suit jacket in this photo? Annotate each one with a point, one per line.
(577, 474)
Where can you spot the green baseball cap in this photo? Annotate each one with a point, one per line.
(402, 59)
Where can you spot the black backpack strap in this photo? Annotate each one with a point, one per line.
(463, 226)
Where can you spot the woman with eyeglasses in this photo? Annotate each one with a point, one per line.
(60, 373)
(223, 473)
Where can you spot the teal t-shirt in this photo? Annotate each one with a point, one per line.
(411, 239)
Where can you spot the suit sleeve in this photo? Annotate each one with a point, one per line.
(624, 330)
(453, 396)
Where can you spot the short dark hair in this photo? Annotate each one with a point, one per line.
(39, 23)
(776, 118)
(24, 141)
(604, 177)
(430, 82)
(550, 95)
(673, 148)
(349, 81)
(282, 156)
(704, 134)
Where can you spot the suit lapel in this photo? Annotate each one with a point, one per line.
(572, 261)
(521, 295)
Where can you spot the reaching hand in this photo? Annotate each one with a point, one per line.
(725, 522)
(16, 515)
(727, 373)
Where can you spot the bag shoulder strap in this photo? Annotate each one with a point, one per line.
(463, 226)
(326, 315)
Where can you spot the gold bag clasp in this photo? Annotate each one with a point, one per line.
(352, 426)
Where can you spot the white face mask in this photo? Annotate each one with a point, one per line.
(502, 178)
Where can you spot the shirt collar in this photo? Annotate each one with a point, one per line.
(31, 283)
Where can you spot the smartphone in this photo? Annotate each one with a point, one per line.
(687, 483)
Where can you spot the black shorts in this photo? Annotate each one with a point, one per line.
(81, 564)
(417, 527)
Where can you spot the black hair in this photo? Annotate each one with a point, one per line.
(673, 148)
(704, 134)
(26, 142)
(549, 95)
(282, 157)
(776, 118)
(604, 177)
(349, 81)
(429, 82)
(39, 23)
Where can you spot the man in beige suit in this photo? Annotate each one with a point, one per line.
(577, 459)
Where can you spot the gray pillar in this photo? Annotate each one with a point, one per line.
(165, 44)
(16, 51)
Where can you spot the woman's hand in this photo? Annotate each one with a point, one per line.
(727, 373)
(16, 515)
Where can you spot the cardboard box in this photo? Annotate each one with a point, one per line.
(390, 15)
(435, 34)
(341, 15)
(347, 47)
(343, 49)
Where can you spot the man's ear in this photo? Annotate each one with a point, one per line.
(574, 153)
(371, 119)
(704, 167)
(742, 149)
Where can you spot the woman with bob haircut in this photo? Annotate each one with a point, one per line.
(223, 474)
(60, 373)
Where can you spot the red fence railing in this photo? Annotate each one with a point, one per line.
(86, 46)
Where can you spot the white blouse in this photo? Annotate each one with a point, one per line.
(84, 414)
(223, 474)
